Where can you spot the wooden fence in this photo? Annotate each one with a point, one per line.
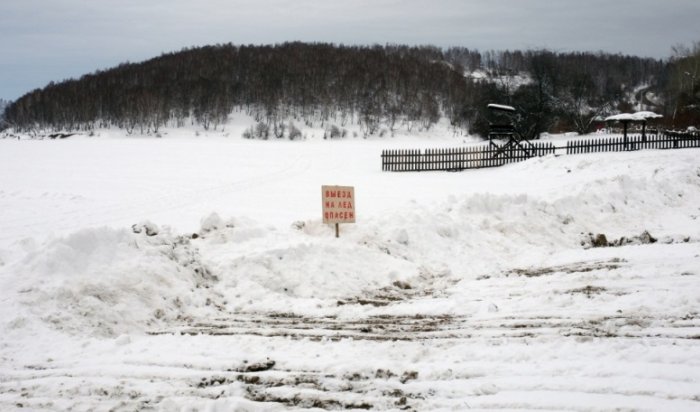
(476, 157)
(454, 159)
(666, 140)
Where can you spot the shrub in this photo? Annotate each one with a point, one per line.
(294, 133)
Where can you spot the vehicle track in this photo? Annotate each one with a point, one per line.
(494, 360)
(420, 327)
(130, 385)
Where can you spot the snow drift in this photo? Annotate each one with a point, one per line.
(106, 281)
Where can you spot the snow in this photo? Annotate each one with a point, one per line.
(512, 81)
(501, 107)
(637, 116)
(194, 273)
(648, 115)
(623, 117)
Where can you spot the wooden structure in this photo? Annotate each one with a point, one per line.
(646, 116)
(638, 117)
(503, 137)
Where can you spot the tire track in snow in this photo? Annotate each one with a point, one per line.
(494, 380)
(573, 358)
(422, 327)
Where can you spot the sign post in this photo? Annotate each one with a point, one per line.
(338, 205)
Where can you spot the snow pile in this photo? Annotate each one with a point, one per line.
(485, 232)
(108, 281)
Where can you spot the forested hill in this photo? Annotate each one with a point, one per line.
(3, 104)
(375, 87)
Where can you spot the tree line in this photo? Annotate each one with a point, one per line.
(376, 87)
(3, 104)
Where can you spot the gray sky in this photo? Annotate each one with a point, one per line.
(52, 40)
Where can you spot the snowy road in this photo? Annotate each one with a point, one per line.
(508, 349)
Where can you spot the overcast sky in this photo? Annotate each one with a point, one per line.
(52, 40)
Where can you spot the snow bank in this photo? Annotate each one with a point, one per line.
(109, 282)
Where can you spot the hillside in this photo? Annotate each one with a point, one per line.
(376, 88)
(3, 105)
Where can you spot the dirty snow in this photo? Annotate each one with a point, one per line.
(194, 273)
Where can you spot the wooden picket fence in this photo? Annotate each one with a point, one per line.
(665, 140)
(453, 159)
(476, 157)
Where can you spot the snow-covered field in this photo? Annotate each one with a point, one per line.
(194, 273)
